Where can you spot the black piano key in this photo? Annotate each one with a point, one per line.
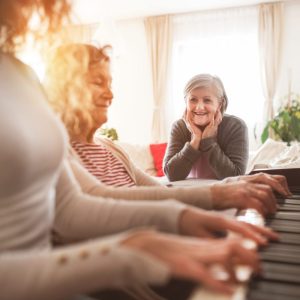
(281, 247)
(290, 258)
(288, 201)
(274, 287)
(280, 277)
(295, 190)
(296, 195)
(294, 199)
(286, 215)
(280, 272)
(284, 225)
(289, 238)
(258, 295)
(277, 252)
(289, 207)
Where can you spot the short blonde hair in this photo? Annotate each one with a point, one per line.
(208, 81)
(66, 83)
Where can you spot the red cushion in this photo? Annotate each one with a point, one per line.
(158, 153)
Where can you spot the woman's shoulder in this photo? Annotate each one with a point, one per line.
(18, 64)
(231, 120)
(178, 124)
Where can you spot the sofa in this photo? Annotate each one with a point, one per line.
(148, 157)
(272, 154)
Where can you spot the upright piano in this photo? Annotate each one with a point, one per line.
(280, 277)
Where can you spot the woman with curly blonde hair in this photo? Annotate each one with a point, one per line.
(78, 82)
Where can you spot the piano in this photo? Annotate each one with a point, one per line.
(280, 278)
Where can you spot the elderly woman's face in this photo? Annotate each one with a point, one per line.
(100, 86)
(202, 105)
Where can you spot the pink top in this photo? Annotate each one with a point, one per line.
(202, 169)
(101, 163)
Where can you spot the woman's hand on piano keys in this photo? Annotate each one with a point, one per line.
(277, 182)
(199, 223)
(194, 259)
(242, 195)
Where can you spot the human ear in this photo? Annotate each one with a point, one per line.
(220, 106)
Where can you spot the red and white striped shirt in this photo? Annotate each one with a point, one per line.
(101, 163)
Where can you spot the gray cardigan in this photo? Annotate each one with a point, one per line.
(219, 157)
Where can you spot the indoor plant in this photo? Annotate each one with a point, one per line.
(285, 126)
(110, 133)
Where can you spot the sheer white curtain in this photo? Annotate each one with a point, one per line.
(270, 44)
(159, 36)
(224, 43)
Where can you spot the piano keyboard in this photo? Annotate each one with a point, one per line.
(280, 278)
(280, 261)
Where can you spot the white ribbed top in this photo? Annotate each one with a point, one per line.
(30, 157)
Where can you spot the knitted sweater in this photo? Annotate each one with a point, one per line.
(217, 157)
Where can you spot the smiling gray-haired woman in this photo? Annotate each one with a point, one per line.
(206, 142)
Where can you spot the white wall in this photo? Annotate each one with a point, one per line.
(291, 50)
(131, 112)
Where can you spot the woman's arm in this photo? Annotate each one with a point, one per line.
(199, 196)
(83, 268)
(180, 155)
(232, 159)
(143, 179)
(80, 216)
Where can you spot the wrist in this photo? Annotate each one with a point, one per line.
(216, 191)
(139, 240)
(195, 142)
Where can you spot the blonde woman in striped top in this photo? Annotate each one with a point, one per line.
(104, 160)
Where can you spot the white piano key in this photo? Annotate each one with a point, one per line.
(243, 273)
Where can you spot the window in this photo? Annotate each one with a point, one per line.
(230, 52)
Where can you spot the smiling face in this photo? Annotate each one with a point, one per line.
(99, 83)
(201, 105)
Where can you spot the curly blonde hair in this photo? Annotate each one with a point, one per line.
(15, 16)
(67, 75)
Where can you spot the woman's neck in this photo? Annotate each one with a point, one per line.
(83, 137)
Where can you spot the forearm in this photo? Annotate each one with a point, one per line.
(83, 268)
(81, 216)
(196, 196)
(179, 165)
(143, 179)
(90, 218)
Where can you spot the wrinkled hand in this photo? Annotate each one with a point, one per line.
(277, 182)
(196, 133)
(199, 223)
(212, 128)
(241, 195)
(190, 258)
(193, 129)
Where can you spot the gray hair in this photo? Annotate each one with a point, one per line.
(205, 81)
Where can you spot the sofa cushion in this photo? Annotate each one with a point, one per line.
(141, 156)
(158, 153)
